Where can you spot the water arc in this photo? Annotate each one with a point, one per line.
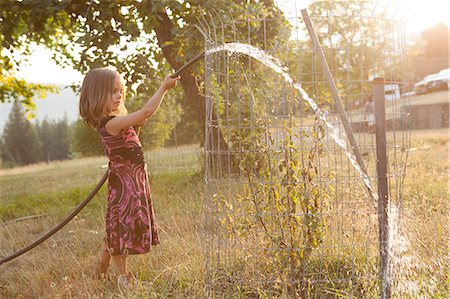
(272, 63)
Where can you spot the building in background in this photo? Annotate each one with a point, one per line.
(435, 52)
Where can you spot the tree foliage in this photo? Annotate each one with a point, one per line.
(358, 42)
(84, 141)
(139, 38)
(54, 138)
(23, 24)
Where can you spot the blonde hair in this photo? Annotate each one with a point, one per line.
(98, 84)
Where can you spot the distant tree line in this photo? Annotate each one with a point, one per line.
(25, 142)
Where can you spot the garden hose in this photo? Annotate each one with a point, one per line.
(188, 64)
(91, 195)
(59, 226)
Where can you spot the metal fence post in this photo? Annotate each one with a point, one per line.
(382, 173)
(334, 91)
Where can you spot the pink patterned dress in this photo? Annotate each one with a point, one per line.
(130, 218)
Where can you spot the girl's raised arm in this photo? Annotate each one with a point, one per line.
(115, 125)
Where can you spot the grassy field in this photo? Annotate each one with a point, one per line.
(62, 266)
(425, 215)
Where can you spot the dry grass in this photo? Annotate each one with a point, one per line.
(61, 267)
(425, 217)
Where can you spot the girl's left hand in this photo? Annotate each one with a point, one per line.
(170, 82)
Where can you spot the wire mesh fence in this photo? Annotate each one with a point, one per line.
(289, 210)
(185, 159)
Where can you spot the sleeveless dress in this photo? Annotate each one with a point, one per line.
(130, 218)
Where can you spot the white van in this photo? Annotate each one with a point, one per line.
(441, 81)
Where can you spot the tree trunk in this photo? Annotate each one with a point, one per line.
(218, 145)
(195, 99)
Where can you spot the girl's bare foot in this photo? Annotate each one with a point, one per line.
(100, 270)
(125, 281)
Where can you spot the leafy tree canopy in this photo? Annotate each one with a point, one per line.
(42, 22)
(139, 38)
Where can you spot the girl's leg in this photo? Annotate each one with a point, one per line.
(121, 263)
(103, 263)
(125, 279)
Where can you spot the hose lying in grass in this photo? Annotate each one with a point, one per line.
(59, 226)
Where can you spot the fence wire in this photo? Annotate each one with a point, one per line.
(287, 212)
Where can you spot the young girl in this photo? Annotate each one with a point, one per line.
(130, 219)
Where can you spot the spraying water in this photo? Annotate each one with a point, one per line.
(273, 63)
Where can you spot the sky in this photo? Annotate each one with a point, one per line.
(42, 69)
